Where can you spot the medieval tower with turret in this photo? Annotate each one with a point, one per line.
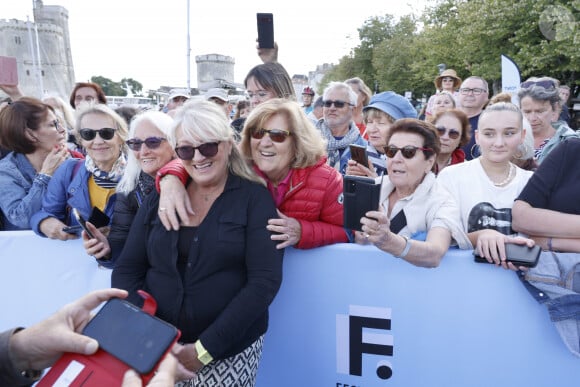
(42, 50)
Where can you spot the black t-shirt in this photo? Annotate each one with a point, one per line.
(556, 184)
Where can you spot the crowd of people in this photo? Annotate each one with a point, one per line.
(196, 205)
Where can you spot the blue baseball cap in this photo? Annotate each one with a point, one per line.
(393, 104)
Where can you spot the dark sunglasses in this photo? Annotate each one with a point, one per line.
(150, 142)
(338, 103)
(90, 134)
(453, 134)
(187, 152)
(276, 135)
(545, 84)
(408, 151)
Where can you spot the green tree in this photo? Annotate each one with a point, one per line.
(109, 87)
(135, 86)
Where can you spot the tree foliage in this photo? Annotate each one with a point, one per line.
(118, 88)
(469, 36)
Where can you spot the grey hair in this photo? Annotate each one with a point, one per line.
(162, 122)
(539, 93)
(352, 96)
(483, 81)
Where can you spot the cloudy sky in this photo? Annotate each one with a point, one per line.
(147, 41)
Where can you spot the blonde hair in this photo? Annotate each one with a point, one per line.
(204, 121)
(120, 123)
(309, 146)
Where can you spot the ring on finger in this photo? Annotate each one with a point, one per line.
(161, 209)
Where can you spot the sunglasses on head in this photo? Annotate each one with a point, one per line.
(187, 152)
(545, 84)
(150, 142)
(276, 135)
(90, 134)
(408, 151)
(452, 133)
(338, 103)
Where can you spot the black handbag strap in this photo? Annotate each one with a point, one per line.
(398, 222)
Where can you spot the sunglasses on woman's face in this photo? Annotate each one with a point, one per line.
(150, 142)
(408, 151)
(187, 152)
(276, 135)
(90, 134)
(452, 133)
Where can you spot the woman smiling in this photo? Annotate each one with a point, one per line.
(419, 218)
(89, 183)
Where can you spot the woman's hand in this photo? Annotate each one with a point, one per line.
(491, 246)
(98, 246)
(376, 229)
(52, 228)
(288, 230)
(268, 55)
(174, 203)
(355, 169)
(54, 159)
(187, 357)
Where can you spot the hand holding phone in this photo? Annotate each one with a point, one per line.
(519, 255)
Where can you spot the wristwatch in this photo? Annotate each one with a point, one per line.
(202, 354)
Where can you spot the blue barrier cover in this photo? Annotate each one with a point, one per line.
(346, 315)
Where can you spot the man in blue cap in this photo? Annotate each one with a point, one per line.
(381, 112)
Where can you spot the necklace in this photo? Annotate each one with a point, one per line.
(509, 177)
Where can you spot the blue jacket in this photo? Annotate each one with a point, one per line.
(68, 189)
(21, 191)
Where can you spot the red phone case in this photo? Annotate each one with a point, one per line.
(100, 369)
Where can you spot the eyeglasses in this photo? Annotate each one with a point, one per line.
(187, 152)
(276, 135)
(453, 134)
(56, 125)
(90, 134)
(150, 142)
(338, 103)
(475, 91)
(545, 84)
(408, 151)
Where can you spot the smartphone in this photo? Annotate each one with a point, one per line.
(519, 255)
(265, 30)
(361, 194)
(8, 71)
(82, 222)
(359, 154)
(131, 335)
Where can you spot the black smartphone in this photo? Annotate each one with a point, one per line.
(359, 154)
(82, 222)
(136, 338)
(361, 194)
(265, 30)
(72, 229)
(519, 255)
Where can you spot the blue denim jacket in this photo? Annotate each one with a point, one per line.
(21, 191)
(555, 283)
(66, 191)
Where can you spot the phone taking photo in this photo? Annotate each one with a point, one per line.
(265, 30)
(359, 154)
(131, 335)
(8, 71)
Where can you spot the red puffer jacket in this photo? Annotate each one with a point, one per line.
(315, 200)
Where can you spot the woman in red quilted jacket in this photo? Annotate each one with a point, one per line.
(289, 153)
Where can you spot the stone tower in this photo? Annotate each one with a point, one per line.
(214, 70)
(54, 71)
